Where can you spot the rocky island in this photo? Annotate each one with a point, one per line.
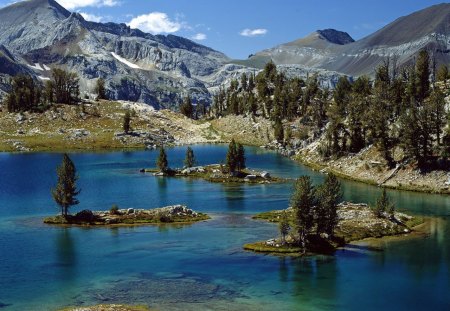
(356, 221)
(217, 173)
(176, 214)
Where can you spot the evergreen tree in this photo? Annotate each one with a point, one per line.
(189, 160)
(303, 202)
(278, 130)
(66, 191)
(162, 162)
(284, 226)
(100, 89)
(423, 75)
(126, 122)
(240, 157)
(328, 194)
(437, 106)
(186, 107)
(384, 205)
(442, 73)
(65, 86)
(231, 159)
(25, 94)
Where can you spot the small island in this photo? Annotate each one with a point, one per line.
(317, 224)
(217, 173)
(176, 214)
(234, 171)
(113, 307)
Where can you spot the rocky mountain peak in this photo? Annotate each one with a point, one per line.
(335, 36)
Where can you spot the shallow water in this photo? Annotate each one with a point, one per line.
(200, 266)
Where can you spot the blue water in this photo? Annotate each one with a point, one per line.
(200, 266)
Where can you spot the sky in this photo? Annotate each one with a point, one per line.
(239, 28)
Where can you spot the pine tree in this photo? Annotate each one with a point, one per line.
(383, 205)
(328, 194)
(189, 160)
(162, 162)
(278, 130)
(423, 75)
(126, 122)
(100, 89)
(231, 159)
(240, 157)
(284, 226)
(186, 107)
(303, 202)
(66, 190)
(442, 74)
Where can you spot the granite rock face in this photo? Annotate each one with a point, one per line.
(159, 70)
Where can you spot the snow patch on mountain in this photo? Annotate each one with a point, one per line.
(124, 61)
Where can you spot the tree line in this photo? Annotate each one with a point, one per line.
(63, 88)
(401, 107)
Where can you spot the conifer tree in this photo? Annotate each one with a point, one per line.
(162, 162)
(284, 226)
(328, 195)
(186, 107)
(100, 89)
(231, 159)
(303, 202)
(126, 122)
(384, 205)
(66, 190)
(423, 75)
(189, 160)
(240, 157)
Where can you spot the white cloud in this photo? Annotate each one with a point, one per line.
(92, 17)
(155, 23)
(73, 4)
(253, 32)
(199, 37)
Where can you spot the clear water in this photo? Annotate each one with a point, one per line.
(200, 266)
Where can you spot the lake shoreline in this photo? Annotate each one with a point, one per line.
(356, 224)
(169, 215)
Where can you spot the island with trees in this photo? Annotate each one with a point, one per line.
(318, 223)
(233, 171)
(65, 195)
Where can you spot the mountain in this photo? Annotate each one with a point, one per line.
(156, 69)
(333, 50)
(37, 35)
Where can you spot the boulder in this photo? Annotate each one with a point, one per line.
(85, 216)
(130, 211)
(265, 175)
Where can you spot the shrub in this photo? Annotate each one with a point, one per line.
(114, 210)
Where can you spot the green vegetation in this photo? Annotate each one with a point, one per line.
(126, 122)
(25, 95)
(235, 159)
(399, 109)
(186, 108)
(384, 205)
(161, 163)
(63, 88)
(100, 89)
(66, 190)
(189, 160)
(175, 215)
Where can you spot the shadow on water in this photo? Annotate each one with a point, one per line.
(66, 254)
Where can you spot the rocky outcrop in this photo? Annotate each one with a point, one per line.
(158, 70)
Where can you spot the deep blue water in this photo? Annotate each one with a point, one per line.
(200, 266)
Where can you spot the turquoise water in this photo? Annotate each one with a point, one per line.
(200, 266)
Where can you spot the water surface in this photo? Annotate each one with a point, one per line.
(200, 266)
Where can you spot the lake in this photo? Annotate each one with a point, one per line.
(200, 266)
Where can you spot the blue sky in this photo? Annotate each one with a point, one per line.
(240, 28)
